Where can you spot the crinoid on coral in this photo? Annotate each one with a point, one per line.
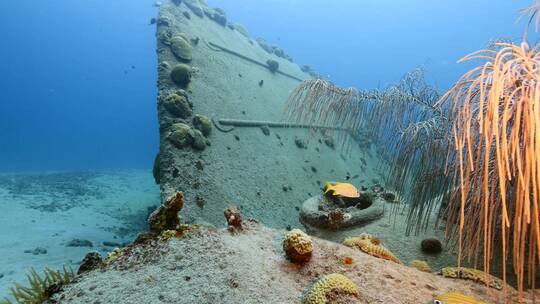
(41, 287)
(321, 290)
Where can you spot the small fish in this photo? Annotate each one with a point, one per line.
(454, 297)
(342, 189)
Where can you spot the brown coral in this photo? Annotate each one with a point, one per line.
(166, 216)
(234, 218)
(91, 261)
(298, 246)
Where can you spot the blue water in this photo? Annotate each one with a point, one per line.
(371, 43)
(77, 80)
(77, 85)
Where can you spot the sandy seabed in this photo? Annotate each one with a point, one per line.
(217, 266)
(42, 213)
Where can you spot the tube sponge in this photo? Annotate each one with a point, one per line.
(336, 283)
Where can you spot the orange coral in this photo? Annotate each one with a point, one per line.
(375, 241)
(347, 260)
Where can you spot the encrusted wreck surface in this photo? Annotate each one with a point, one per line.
(267, 172)
(217, 266)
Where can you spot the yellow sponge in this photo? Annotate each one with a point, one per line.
(298, 246)
(473, 275)
(113, 255)
(421, 265)
(330, 283)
